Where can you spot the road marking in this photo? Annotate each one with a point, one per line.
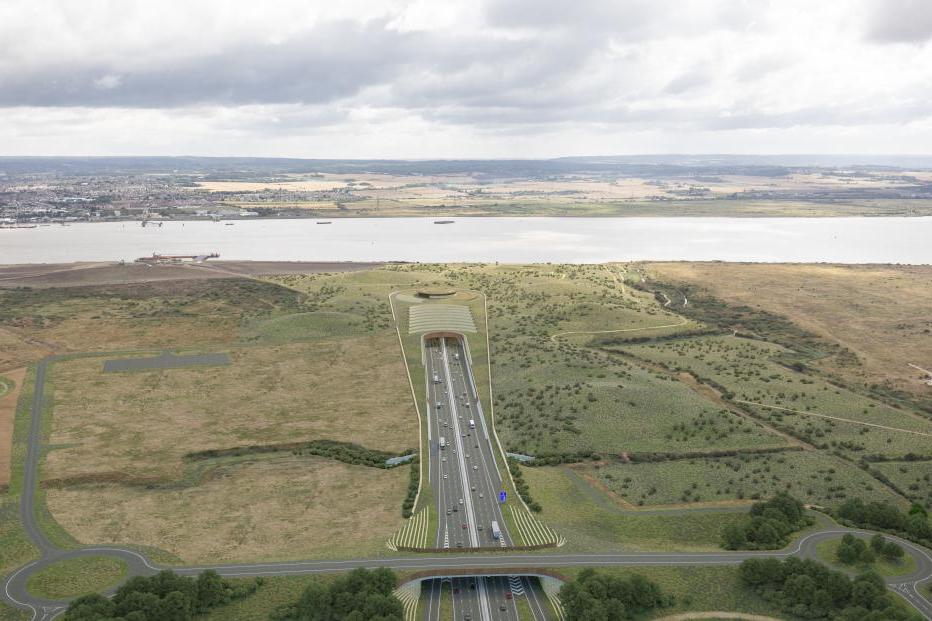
(461, 455)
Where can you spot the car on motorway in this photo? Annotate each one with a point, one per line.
(501, 607)
(464, 525)
(475, 467)
(507, 594)
(461, 501)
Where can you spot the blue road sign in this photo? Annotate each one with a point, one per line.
(502, 496)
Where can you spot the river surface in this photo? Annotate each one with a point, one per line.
(512, 240)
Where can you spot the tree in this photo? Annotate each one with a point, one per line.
(165, 596)
(604, 597)
(736, 537)
(90, 608)
(892, 551)
(360, 595)
(211, 590)
(852, 550)
(175, 606)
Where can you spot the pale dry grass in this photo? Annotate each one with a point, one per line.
(279, 509)
(16, 350)
(879, 312)
(87, 331)
(141, 424)
(8, 401)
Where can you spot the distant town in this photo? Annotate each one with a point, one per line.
(149, 190)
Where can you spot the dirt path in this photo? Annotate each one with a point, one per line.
(716, 614)
(715, 396)
(669, 325)
(844, 420)
(7, 414)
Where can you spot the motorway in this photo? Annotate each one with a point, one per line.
(913, 587)
(465, 480)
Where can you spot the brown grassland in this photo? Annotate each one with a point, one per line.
(274, 509)
(9, 394)
(141, 424)
(881, 313)
(117, 469)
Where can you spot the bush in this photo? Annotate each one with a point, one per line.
(521, 486)
(768, 526)
(853, 551)
(609, 598)
(407, 506)
(807, 589)
(164, 596)
(360, 595)
(881, 516)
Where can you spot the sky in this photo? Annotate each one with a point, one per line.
(464, 78)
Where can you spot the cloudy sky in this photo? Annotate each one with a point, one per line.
(464, 78)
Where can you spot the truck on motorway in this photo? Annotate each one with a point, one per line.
(472, 424)
(443, 442)
(496, 533)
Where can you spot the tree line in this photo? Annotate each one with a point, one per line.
(594, 596)
(913, 525)
(854, 551)
(810, 590)
(360, 595)
(166, 596)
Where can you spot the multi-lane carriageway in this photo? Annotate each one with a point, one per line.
(466, 484)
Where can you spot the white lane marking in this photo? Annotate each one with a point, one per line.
(484, 611)
(6, 588)
(461, 456)
(471, 388)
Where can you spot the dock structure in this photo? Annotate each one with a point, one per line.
(177, 258)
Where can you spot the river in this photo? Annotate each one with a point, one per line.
(511, 240)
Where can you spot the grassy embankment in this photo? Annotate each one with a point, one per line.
(75, 577)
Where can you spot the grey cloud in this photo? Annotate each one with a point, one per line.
(687, 81)
(899, 21)
(331, 62)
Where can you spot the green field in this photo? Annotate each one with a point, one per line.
(591, 522)
(913, 478)
(698, 589)
(752, 371)
(554, 395)
(811, 476)
(77, 576)
(826, 552)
